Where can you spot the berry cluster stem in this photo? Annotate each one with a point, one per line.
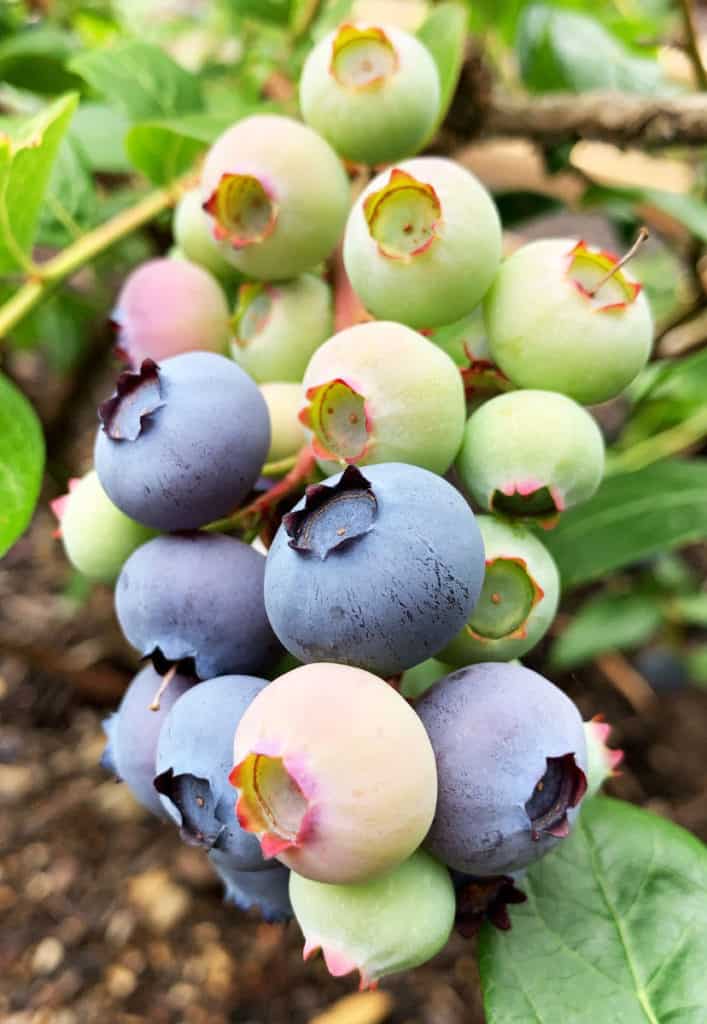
(40, 282)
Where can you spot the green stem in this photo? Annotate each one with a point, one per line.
(48, 275)
(660, 446)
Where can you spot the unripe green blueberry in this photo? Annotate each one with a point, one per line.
(97, 536)
(423, 243)
(553, 324)
(373, 93)
(602, 760)
(530, 455)
(380, 392)
(277, 327)
(284, 401)
(335, 772)
(518, 600)
(167, 307)
(193, 236)
(394, 922)
(277, 196)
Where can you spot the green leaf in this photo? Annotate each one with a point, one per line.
(276, 11)
(444, 33)
(99, 130)
(605, 623)
(559, 50)
(614, 930)
(141, 79)
(163, 149)
(630, 518)
(21, 463)
(26, 161)
(690, 609)
(36, 59)
(70, 205)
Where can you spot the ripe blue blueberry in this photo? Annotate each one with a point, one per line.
(512, 767)
(266, 889)
(181, 444)
(197, 597)
(194, 758)
(133, 731)
(378, 570)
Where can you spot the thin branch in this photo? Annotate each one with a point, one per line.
(692, 42)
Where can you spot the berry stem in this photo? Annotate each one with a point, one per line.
(641, 237)
(166, 680)
(40, 282)
(692, 42)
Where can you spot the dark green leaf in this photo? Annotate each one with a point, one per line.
(604, 623)
(26, 161)
(559, 50)
(21, 463)
(141, 79)
(632, 516)
(444, 33)
(614, 930)
(276, 11)
(36, 59)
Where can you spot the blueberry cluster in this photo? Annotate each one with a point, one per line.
(338, 722)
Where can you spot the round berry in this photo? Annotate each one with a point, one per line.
(373, 93)
(518, 600)
(380, 392)
(557, 321)
(194, 238)
(167, 307)
(331, 797)
(267, 889)
(194, 758)
(277, 327)
(181, 444)
(284, 401)
(133, 732)
(97, 536)
(530, 455)
(277, 196)
(378, 570)
(512, 765)
(197, 598)
(391, 923)
(423, 243)
(602, 760)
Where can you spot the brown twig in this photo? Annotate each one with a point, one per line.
(624, 678)
(692, 42)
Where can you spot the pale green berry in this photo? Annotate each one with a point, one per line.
(284, 401)
(518, 600)
(277, 195)
(277, 327)
(97, 536)
(423, 243)
(602, 760)
(194, 239)
(530, 455)
(380, 392)
(372, 92)
(553, 324)
(391, 923)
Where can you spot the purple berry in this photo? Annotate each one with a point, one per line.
(512, 767)
(267, 889)
(182, 444)
(377, 569)
(194, 759)
(133, 732)
(197, 598)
